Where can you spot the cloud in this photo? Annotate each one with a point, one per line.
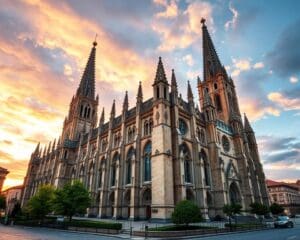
(258, 65)
(284, 101)
(189, 60)
(235, 15)
(284, 57)
(294, 79)
(171, 9)
(184, 29)
(280, 152)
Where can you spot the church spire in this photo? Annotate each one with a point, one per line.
(87, 83)
(173, 82)
(247, 125)
(211, 61)
(160, 73)
(101, 120)
(113, 110)
(190, 95)
(140, 92)
(125, 103)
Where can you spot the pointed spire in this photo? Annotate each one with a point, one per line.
(54, 144)
(173, 82)
(113, 110)
(37, 149)
(140, 92)
(87, 83)
(49, 147)
(190, 95)
(198, 80)
(247, 125)
(160, 73)
(211, 61)
(101, 120)
(125, 103)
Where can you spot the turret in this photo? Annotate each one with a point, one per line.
(160, 85)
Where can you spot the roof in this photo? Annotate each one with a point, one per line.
(271, 183)
(13, 188)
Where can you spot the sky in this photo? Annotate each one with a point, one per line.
(44, 46)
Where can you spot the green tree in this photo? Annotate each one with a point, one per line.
(259, 209)
(41, 203)
(231, 209)
(186, 212)
(2, 202)
(276, 209)
(71, 199)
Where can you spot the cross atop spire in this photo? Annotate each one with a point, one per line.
(87, 84)
(160, 73)
(211, 61)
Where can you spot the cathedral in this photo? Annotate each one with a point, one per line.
(141, 163)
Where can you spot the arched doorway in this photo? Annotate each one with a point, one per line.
(234, 194)
(147, 198)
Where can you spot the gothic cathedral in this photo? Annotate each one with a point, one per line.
(139, 164)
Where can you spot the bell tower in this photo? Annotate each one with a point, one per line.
(83, 107)
(161, 160)
(216, 82)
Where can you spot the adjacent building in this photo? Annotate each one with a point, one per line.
(286, 195)
(3, 173)
(13, 197)
(140, 163)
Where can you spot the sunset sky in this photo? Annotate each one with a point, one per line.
(44, 46)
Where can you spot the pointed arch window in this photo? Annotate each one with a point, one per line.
(114, 170)
(218, 103)
(147, 162)
(101, 170)
(206, 168)
(129, 158)
(187, 161)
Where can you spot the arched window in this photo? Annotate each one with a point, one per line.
(81, 110)
(129, 165)
(104, 144)
(157, 92)
(147, 162)
(146, 126)
(185, 153)
(218, 103)
(150, 126)
(101, 172)
(165, 92)
(206, 168)
(65, 154)
(90, 176)
(202, 136)
(234, 193)
(114, 170)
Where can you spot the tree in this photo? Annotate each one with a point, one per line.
(276, 209)
(231, 209)
(2, 202)
(259, 209)
(186, 212)
(71, 199)
(41, 203)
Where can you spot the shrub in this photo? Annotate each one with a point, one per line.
(186, 212)
(276, 209)
(95, 224)
(259, 209)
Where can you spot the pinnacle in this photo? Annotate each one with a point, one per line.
(160, 72)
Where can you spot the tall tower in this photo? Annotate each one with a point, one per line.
(161, 162)
(220, 106)
(83, 107)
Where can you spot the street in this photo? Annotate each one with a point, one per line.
(27, 233)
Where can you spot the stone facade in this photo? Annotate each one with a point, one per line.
(12, 196)
(139, 164)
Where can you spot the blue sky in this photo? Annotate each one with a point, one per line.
(44, 46)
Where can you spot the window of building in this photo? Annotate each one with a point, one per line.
(218, 103)
(185, 153)
(129, 165)
(114, 170)
(147, 162)
(183, 128)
